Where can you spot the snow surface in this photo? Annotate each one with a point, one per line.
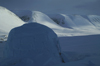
(95, 19)
(35, 42)
(80, 25)
(79, 36)
(8, 20)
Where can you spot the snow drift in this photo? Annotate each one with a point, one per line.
(74, 21)
(42, 18)
(78, 49)
(35, 42)
(80, 25)
(8, 20)
(95, 19)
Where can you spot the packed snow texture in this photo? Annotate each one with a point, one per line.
(35, 42)
(78, 35)
(8, 20)
(73, 25)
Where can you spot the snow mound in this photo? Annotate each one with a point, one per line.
(82, 23)
(63, 20)
(61, 24)
(41, 18)
(35, 42)
(8, 20)
(72, 21)
(95, 19)
(74, 25)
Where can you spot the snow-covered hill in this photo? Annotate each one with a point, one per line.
(62, 24)
(8, 20)
(78, 34)
(73, 21)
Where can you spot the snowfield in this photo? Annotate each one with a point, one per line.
(74, 25)
(8, 20)
(78, 34)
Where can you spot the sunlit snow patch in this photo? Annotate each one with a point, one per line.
(62, 24)
(95, 19)
(8, 20)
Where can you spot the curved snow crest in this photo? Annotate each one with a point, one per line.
(68, 21)
(8, 20)
(95, 20)
(76, 22)
(70, 25)
(83, 23)
(80, 25)
(41, 18)
(45, 20)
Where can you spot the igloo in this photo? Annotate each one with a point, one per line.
(34, 42)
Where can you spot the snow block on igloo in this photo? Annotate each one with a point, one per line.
(35, 42)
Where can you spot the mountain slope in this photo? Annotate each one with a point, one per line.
(79, 25)
(8, 20)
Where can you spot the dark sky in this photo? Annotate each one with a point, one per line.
(77, 6)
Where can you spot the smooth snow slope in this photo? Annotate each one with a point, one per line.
(64, 21)
(42, 18)
(8, 20)
(79, 50)
(80, 25)
(95, 19)
(73, 21)
(74, 25)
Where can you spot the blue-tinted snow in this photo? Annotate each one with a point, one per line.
(79, 46)
(35, 43)
(8, 20)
